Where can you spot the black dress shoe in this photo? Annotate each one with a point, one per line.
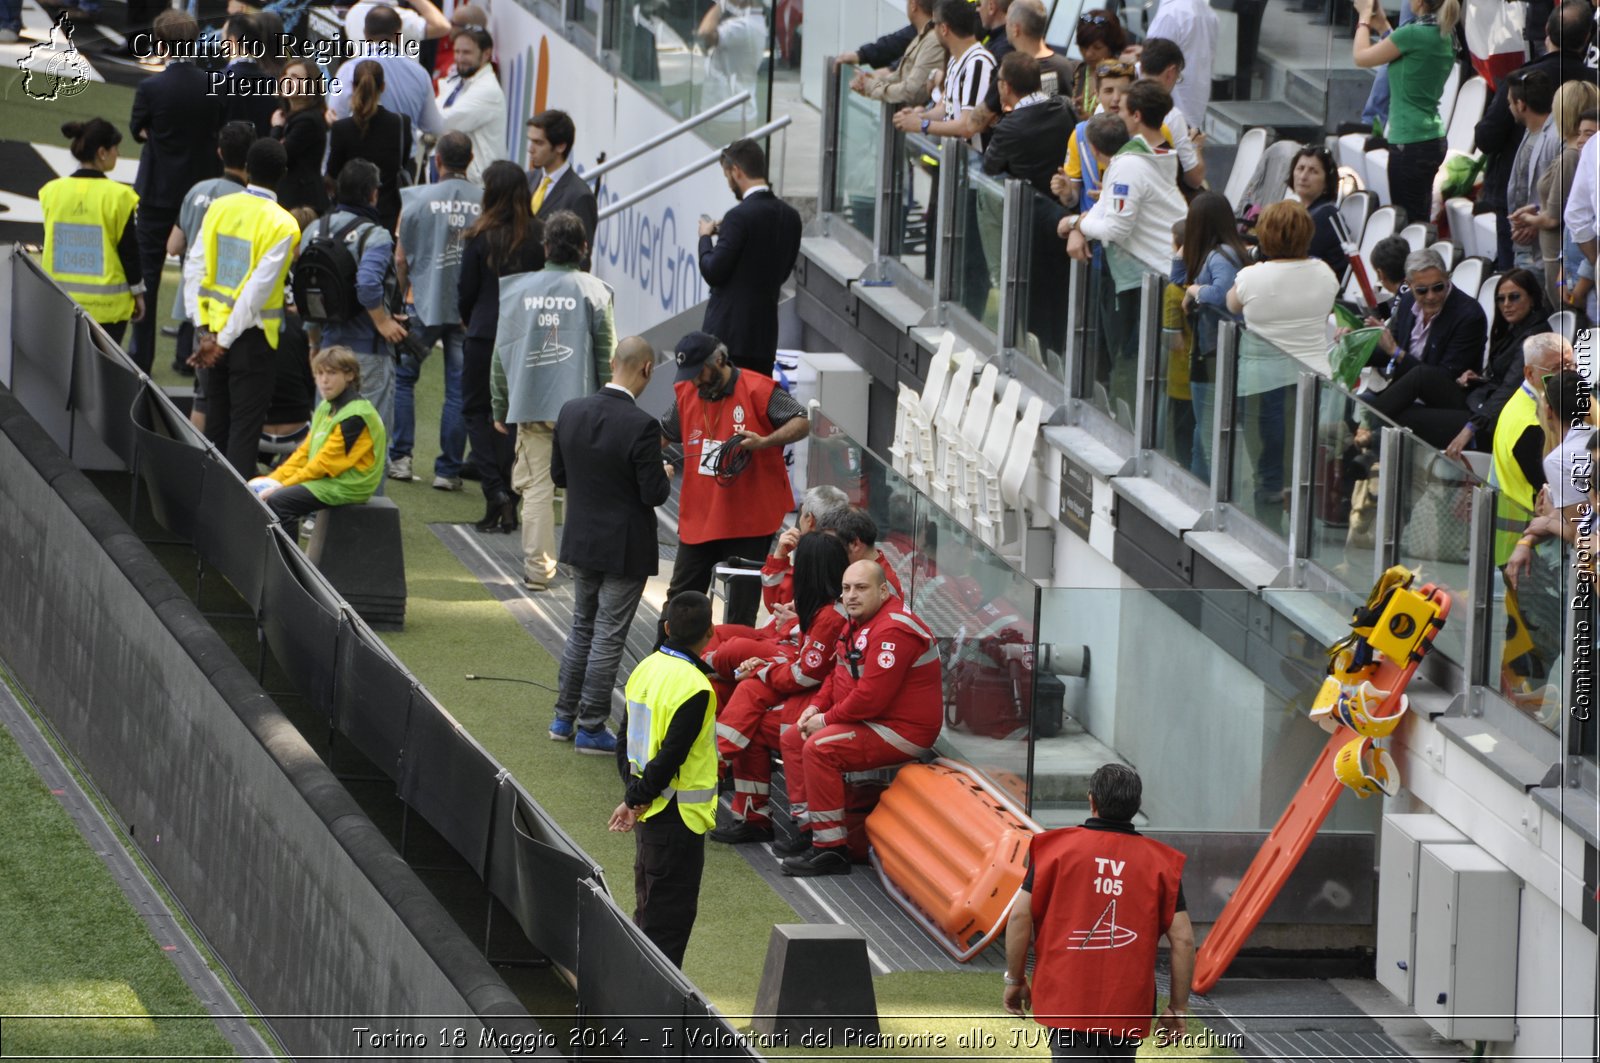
(493, 515)
(830, 861)
(510, 514)
(741, 834)
(796, 845)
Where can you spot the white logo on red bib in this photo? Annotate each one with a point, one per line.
(738, 418)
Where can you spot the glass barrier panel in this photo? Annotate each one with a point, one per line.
(981, 613)
(585, 13)
(917, 167)
(859, 156)
(1224, 713)
(1264, 431)
(1042, 306)
(1434, 528)
(975, 267)
(1111, 343)
(1528, 647)
(1177, 428)
(690, 60)
(1348, 436)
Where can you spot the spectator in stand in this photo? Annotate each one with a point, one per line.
(910, 82)
(1419, 57)
(1100, 39)
(1285, 300)
(1458, 413)
(90, 245)
(883, 704)
(992, 34)
(471, 101)
(1387, 266)
(247, 90)
(1568, 413)
(1570, 29)
(177, 121)
(420, 20)
(1433, 323)
(1314, 180)
(1026, 144)
(1581, 213)
(556, 185)
(1078, 184)
(1213, 255)
(431, 243)
(607, 455)
(745, 259)
(372, 335)
(304, 132)
(505, 239)
(733, 424)
(554, 343)
(1191, 25)
(1025, 28)
(233, 146)
(966, 77)
(777, 581)
(376, 134)
(1531, 93)
(463, 16)
(1163, 62)
(1575, 117)
(884, 53)
(407, 88)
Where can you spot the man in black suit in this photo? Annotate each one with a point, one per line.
(755, 249)
(247, 92)
(612, 450)
(556, 186)
(177, 121)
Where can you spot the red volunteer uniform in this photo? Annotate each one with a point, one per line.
(883, 704)
(707, 509)
(1101, 901)
(777, 580)
(767, 704)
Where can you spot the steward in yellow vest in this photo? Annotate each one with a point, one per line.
(90, 248)
(1519, 442)
(669, 767)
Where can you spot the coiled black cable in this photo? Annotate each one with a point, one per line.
(731, 459)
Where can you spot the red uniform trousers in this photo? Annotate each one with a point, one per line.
(748, 729)
(814, 770)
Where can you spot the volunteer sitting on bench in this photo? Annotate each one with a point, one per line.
(883, 705)
(340, 462)
(777, 580)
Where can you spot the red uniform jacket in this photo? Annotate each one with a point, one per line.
(777, 580)
(887, 673)
(753, 504)
(813, 658)
(1101, 900)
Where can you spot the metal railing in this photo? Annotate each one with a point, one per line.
(664, 136)
(687, 171)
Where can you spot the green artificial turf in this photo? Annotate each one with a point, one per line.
(74, 953)
(39, 121)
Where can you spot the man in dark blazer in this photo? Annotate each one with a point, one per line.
(176, 119)
(607, 454)
(1434, 323)
(247, 91)
(754, 251)
(555, 185)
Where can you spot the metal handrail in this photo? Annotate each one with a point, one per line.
(665, 135)
(688, 171)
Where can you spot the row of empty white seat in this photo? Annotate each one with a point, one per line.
(968, 443)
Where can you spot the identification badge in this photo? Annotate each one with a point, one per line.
(709, 449)
(77, 249)
(233, 261)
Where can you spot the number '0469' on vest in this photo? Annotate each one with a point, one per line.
(756, 502)
(85, 217)
(1101, 901)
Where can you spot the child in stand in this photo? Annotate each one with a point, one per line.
(1177, 343)
(340, 462)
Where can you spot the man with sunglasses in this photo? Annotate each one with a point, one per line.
(883, 704)
(1433, 323)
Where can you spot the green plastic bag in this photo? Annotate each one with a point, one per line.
(1460, 175)
(1350, 354)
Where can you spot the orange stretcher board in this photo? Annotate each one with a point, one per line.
(1291, 837)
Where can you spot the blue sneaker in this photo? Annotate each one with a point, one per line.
(599, 742)
(561, 730)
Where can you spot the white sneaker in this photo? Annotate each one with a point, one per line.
(400, 468)
(9, 36)
(447, 483)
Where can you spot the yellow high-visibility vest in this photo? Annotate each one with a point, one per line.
(237, 233)
(84, 218)
(1514, 506)
(656, 690)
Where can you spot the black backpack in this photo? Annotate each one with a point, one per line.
(324, 280)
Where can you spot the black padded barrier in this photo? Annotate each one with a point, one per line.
(301, 619)
(43, 341)
(371, 700)
(172, 468)
(438, 748)
(625, 1012)
(295, 889)
(103, 393)
(230, 532)
(535, 881)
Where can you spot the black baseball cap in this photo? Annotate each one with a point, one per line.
(693, 351)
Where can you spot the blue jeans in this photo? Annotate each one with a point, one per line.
(603, 606)
(1377, 108)
(11, 15)
(1266, 411)
(452, 429)
(1203, 395)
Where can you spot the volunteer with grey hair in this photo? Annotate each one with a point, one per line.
(777, 575)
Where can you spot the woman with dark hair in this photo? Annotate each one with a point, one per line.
(90, 248)
(1314, 180)
(304, 132)
(1457, 413)
(376, 134)
(777, 681)
(1213, 255)
(505, 239)
(1100, 38)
